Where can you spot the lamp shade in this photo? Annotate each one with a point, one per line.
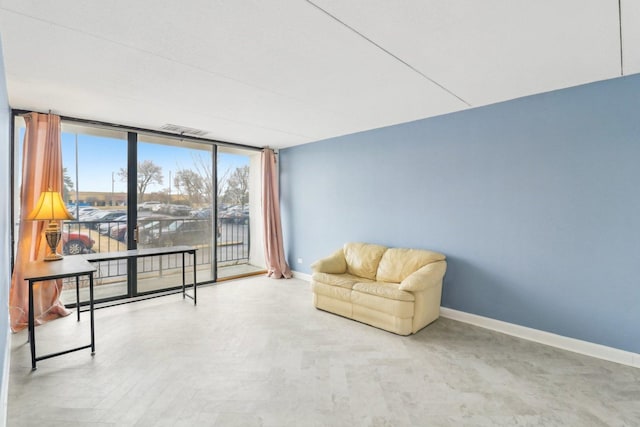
(49, 207)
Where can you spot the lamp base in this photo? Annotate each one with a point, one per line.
(53, 236)
(53, 257)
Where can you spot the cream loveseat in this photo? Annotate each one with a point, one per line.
(395, 289)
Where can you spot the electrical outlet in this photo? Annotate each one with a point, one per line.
(299, 260)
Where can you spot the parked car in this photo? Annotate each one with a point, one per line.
(235, 215)
(147, 206)
(92, 215)
(106, 225)
(150, 225)
(74, 243)
(170, 209)
(104, 217)
(179, 210)
(86, 209)
(180, 232)
(119, 232)
(86, 212)
(201, 213)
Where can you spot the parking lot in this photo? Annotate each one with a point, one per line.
(106, 230)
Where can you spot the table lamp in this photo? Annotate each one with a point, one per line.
(51, 207)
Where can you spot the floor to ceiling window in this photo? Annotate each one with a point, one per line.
(238, 193)
(91, 159)
(187, 192)
(175, 197)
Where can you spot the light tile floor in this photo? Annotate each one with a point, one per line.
(254, 352)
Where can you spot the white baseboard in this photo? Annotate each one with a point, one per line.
(571, 344)
(301, 276)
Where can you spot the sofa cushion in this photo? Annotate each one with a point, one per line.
(333, 292)
(393, 307)
(398, 263)
(342, 280)
(363, 259)
(384, 290)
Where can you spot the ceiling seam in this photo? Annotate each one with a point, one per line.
(405, 63)
(620, 27)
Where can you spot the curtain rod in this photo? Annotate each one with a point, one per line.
(19, 112)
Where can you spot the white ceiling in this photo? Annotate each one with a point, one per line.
(287, 72)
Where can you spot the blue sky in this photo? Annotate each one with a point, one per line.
(100, 158)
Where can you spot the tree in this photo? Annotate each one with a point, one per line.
(237, 192)
(190, 183)
(223, 180)
(204, 168)
(67, 184)
(148, 173)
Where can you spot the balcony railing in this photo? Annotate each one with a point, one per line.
(232, 241)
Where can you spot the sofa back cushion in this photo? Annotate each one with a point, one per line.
(363, 259)
(398, 263)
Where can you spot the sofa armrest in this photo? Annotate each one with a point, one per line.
(333, 264)
(425, 277)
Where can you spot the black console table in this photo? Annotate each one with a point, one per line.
(81, 265)
(140, 253)
(70, 266)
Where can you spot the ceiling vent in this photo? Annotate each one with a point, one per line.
(182, 130)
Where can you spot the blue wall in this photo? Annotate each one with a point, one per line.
(536, 203)
(5, 229)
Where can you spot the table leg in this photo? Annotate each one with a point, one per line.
(78, 296)
(183, 278)
(32, 332)
(93, 338)
(195, 300)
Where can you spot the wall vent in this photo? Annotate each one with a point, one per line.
(183, 130)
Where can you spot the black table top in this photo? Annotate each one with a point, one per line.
(73, 265)
(135, 253)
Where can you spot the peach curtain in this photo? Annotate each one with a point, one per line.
(277, 266)
(41, 169)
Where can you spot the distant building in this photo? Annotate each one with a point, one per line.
(97, 198)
